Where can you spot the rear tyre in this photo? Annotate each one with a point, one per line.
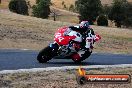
(45, 55)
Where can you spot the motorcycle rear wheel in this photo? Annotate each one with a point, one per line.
(45, 55)
(84, 56)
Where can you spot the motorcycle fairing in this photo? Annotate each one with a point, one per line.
(61, 38)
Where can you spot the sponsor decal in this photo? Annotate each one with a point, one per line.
(83, 78)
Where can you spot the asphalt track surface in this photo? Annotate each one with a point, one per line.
(26, 59)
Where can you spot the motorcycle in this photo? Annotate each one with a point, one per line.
(66, 43)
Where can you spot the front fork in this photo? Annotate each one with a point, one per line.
(55, 48)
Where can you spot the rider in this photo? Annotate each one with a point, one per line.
(88, 37)
(87, 33)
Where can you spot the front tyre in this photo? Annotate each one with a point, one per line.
(45, 55)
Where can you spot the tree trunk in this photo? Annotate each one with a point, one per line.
(0, 1)
(54, 17)
(118, 24)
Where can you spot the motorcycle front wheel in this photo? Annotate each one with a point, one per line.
(45, 55)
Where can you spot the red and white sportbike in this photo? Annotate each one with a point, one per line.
(68, 44)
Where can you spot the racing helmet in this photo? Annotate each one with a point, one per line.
(84, 25)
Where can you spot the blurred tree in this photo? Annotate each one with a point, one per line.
(18, 6)
(118, 12)
(42, 9)
(37, 1)
(106, 9)
(128, 20)
(54, 13)
(102, 20)
(72, 8)
(63, 3)
(88, 9)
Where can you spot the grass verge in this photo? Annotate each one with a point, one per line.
(59, 79)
